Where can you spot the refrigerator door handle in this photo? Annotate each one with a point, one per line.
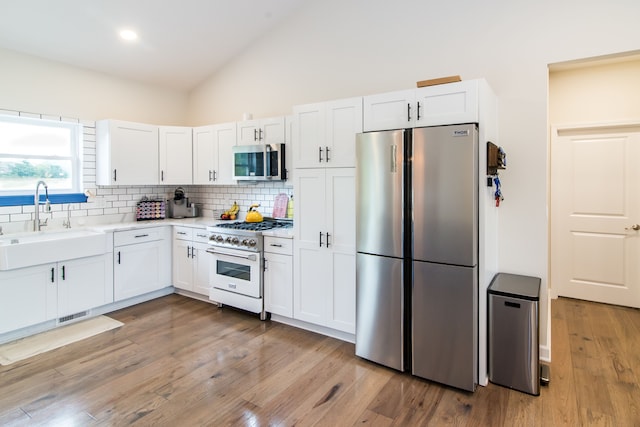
(394, 159)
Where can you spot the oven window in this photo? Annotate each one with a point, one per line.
(230, 269)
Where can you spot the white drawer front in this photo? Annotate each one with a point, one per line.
(140, 235)
(278, 245)
(200, 235)
(182, 233)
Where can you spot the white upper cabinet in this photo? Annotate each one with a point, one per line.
(175, 155)
(212, 154)
(428, 106)
(126, 153)
(324, 133)
(263, 131)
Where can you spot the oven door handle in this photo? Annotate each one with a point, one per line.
(251, 257)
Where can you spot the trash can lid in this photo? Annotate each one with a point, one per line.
(514, 285)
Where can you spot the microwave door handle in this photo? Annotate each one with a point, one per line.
(267, 158)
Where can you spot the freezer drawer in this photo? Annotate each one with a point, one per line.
(380, 310)
(444, 326)
(513, 332)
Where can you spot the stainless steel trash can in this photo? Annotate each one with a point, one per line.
(514, 332)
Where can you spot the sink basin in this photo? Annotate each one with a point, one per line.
(28, 249)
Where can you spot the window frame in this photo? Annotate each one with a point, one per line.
(73, 195)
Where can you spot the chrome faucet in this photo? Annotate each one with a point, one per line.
(36, 203)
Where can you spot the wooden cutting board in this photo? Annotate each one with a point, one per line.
(280, 206)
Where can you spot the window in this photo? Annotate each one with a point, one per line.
(32, 150)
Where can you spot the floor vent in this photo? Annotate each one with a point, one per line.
(73, 316)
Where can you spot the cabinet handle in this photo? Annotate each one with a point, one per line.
(118, 257)
(327, 153)
(320, 154)
(328, 235)
(202, 235)
(141, 235)
(408, 112)
(321, 234)
(260, 137)
(193, 251)
(53, 275)
(182, 232)
(418, 118)
(276, 245)
(162, 176)
(255, 134)
(215, 175)
(63, 274)
(115, 175)
(188, 251)
(264, 268)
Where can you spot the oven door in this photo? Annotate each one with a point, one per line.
(236, 271)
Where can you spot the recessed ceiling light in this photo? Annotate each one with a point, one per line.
(128, 35)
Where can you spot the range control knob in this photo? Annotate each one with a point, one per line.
(252, 242)
(228, 239)
(235, 240)
(219, 238)
(245, 242)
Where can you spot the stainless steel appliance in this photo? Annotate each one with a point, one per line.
(180, 206)
(417, 251)
(262, 162)
(237, 260)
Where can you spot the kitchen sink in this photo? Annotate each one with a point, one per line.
(34, 248)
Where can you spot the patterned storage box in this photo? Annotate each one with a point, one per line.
(150, 209)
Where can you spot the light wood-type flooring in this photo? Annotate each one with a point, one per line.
(182, 362)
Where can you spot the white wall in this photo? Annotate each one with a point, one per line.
(45, 87)
(340, 48)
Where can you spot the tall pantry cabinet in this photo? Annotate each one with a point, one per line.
(324, 188)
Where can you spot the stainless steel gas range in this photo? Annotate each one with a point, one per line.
(237, 263)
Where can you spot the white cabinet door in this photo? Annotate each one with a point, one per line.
(182, 265)
(392, 110)
(126, 153)
(142, 267)
(344, 121)
(325, 133)
(278, 284)
(212, 154)
(311, 275)
(84, 283)
(225, 136)
(263, 131)
(448, 104)
(175, 155)
(200, 260)
(28, 296)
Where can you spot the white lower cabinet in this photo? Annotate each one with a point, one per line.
(84, 283)
(141, 261)
(278, 276)
(28, 296)
(190, 261)
(324, 268)
(33, 295)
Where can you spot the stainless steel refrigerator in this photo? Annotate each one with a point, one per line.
(417, 251)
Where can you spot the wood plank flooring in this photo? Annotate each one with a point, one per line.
(182, 362)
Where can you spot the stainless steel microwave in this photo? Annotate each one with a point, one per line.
(263, 162)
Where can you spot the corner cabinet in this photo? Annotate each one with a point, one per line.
(324, 290)
(126, 153)
(141, 261)
(428, 106)
(175, 155)
(324, 133)
(212, 154)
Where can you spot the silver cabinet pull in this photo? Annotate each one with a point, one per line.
(328, 235)
(188, 251)
(321, 234)
(141, 235)
(251, 257)
(320, 154)
(193, 251)
(327, 153)
(276, 245)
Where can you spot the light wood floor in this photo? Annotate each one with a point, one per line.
(181, 362)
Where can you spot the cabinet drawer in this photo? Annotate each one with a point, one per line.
(200, 235)
(278, 245)
(137, 236)
(182, 233)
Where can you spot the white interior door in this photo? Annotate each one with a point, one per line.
(595, 212)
